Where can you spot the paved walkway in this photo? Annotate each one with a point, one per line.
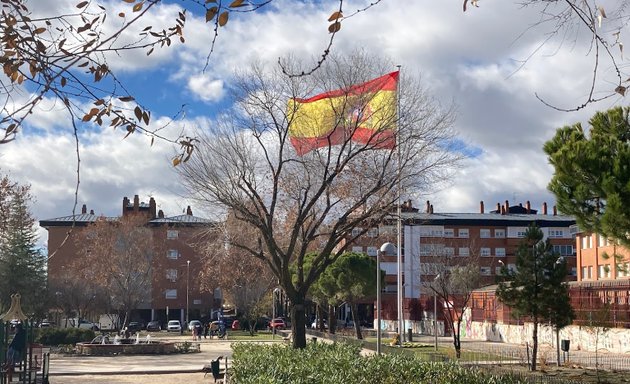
(141, 364)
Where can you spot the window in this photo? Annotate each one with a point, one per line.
(563, 250)
(556, 233)
(499, 252)
(586, 242)
(497, 271)
(604, 271)
(520, 234)
(449, 251)
(172, 234)
(356, 231)
(171, 274)
(449, 232)
(464, 251)
(485, 252)
(485, 271)
(574, 271)
(431, 231)
(484, 233)
(371, 251)
(584, 273)
(602, 241)
(590, 272)
(462, 232)
(172, 254)
(372, 232)
(197, 302)
(499, 233)
(357, 249)
(171, 293)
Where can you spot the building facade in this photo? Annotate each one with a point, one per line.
(175, 267)
(433, 242)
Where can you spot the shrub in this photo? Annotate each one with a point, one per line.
(342, 363)
(62, 336)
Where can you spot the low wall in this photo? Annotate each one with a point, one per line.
(125, 349)
(615, 340)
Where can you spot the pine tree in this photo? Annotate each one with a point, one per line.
(22, 264)
(536, 288)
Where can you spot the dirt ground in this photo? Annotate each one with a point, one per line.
(188, 378)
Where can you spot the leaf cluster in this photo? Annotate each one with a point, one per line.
(591, 179)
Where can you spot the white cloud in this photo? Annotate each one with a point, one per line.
(204, 87)
(472, 58)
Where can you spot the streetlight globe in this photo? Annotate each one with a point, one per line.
(388, 249)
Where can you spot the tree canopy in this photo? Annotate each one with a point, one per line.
(591, 179)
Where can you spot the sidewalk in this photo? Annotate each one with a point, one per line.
(140, 364)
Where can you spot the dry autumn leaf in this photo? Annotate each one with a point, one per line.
(335, 16)
(334, 27)
(223, 18)
(211, 13)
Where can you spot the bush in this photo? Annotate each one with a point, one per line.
(342, 363)
(63, 336)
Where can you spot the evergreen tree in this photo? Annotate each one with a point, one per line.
(22, 264)
(536, 288)
(592, 173)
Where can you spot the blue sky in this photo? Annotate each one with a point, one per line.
(471, 59)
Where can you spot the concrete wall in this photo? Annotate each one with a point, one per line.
(615, 340)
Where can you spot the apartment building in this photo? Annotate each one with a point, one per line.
(176, 273)
(433, 241)
(599, 258)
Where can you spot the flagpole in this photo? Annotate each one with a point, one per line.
(401, 333)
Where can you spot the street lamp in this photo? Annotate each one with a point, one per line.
(187, 284)
(388, 249)
(435, 312)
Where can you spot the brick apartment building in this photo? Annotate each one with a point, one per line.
(175, 277)
(429, 238)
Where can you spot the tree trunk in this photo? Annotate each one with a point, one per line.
(298, 322)
(457, 341)
(354, 309)
(535, 345)
(332, 323)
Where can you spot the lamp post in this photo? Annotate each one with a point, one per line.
(435, 313)
(388, 249)
(187, 285)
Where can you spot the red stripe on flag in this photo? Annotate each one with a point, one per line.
(384, 83)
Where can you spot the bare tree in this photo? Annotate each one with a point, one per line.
(118, 256)
(301, 203)
(245, 281)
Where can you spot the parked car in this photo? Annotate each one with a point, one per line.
(154, 326)
(46, 324)
(193, 324)
(84, 324)
(174, 326)
(277, 323)
(135, 326)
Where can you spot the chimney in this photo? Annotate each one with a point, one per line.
(507, 207)
(555, 211)
(125, 204)
(431, 209)
(91, 211)
(84, 209)
(152, 208)
(481, 206)
(528, 207)
(136, 203)
(498, 208)
(160, 214)
(189, 211)
(503, 210)
(545, 208)
(428, 207)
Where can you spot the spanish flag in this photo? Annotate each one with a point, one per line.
(364, 113)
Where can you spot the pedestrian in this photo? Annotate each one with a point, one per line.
(194, 332)
(206, 327)
(14, 352)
